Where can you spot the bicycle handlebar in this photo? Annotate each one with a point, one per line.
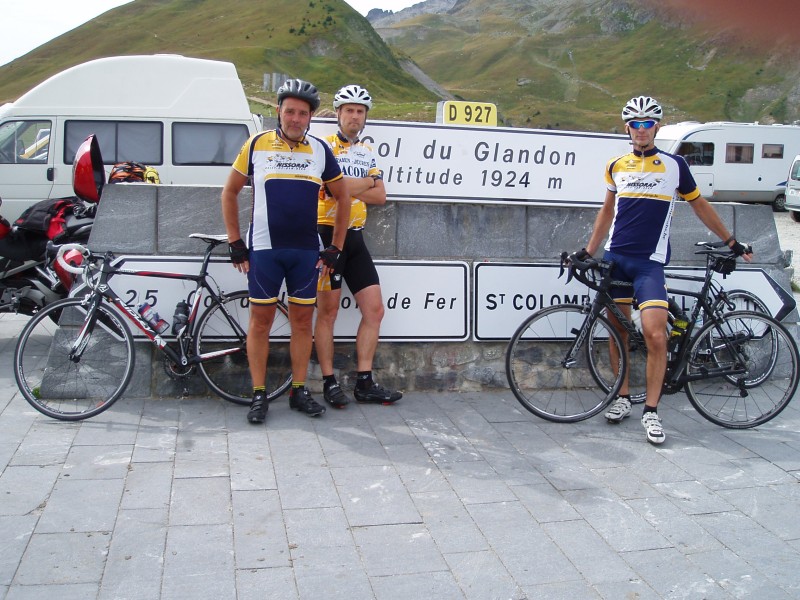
(63, 248)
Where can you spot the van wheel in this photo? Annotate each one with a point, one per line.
(779, 204)
(795, 216)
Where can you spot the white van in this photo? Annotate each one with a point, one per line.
(735, 162)
(793, 190)
(186, 117)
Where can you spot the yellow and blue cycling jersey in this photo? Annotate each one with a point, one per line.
(356, 160)
(286, 184)
(647, 186)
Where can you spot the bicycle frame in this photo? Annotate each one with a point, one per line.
(101, 290)
(706, 304)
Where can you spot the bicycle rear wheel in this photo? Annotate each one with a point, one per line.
(744, 300)
(79, 387)
(223, 328)
(749, 367)
(550, 386)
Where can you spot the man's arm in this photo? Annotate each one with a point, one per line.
(230, 211)
(341, 194)
(367, 189)
(710, 218)
(602, 223)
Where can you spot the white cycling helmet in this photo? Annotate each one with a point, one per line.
(642, 107)
(352, 94)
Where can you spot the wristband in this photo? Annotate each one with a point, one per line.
(729, 240)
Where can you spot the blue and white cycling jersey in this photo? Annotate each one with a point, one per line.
(646, 187)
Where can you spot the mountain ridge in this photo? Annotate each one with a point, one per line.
(567, 64)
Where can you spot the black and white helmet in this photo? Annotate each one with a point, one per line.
(352, 94)
(642, 107)
(297, 88)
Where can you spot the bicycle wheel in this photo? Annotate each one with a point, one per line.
(744, 300)
(636, 361)
(73, 388)
(545, 382)
(223, 329)
(748, 370)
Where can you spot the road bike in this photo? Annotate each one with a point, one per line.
(739, 368)
(76, 365)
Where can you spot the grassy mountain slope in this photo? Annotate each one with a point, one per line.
(567, 64)
(573, 63)
(324, 41)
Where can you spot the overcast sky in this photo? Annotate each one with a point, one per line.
(27, 24)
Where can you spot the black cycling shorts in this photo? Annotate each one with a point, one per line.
(356, 265)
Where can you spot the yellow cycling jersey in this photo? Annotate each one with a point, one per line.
(356, 160)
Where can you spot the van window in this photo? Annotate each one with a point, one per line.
(794, 172)
(772, 151)
(120, 141)
(24, 142)
(697, 153)
(207, 143)
(739, 153)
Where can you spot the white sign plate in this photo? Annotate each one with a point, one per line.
(424, 300)
(448, 163)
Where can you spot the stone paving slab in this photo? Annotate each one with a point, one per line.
(443, 495)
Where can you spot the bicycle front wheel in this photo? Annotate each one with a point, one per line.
(71, 388)
(555, 384)
(744, 370)
(222, 339)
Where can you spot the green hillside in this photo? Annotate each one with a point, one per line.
(324, 41)
(573, 64)
(566, 64)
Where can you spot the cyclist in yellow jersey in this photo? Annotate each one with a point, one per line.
(287, 167)
(355, 266)
(641, 190)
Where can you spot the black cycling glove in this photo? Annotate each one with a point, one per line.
(238, 252)
(330, 256)
(738, 248)
(582, 255)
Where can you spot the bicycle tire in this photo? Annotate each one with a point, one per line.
(536, 371)
(228, 375)
(67, 389)
(745, 300)
(764, 348)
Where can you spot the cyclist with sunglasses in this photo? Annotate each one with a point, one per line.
(641, 190)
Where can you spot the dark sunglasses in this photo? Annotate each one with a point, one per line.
(642, 124)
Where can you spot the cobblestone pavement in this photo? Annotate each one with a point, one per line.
(444, 495)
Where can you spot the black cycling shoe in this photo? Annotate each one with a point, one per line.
(300, 399)
(334, 396)
(376, 394)
(258, 408)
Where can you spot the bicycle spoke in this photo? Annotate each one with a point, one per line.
(551, 384)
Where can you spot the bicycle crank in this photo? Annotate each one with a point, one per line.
(176, 371)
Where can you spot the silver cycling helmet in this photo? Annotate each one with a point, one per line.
(642, 107)
(352, 94)
(297, 88)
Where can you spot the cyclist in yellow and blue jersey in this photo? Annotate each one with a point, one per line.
(641, 190)
(287, 167)
(356, 267)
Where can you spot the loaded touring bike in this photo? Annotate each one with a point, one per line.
(739, 368)
(76, 357)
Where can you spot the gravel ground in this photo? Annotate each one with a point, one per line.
(789, 236)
